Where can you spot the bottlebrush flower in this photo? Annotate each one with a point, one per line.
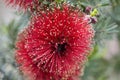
(24, 4)
(31, 5)
(21, 3)
(55, 45)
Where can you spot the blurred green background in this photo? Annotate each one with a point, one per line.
(104, 60)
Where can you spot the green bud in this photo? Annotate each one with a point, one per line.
(94, 12)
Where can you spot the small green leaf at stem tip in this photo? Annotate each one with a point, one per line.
(94, 12)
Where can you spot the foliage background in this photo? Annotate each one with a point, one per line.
(104, 61)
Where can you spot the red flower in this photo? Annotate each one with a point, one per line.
(22, 4)
(55, 45)
(30, 5)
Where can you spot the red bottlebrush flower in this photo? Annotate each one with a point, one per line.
(31, 5)
(23, 4)
(55, 45)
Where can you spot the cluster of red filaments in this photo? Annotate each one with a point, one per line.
(29, 5)
(55, 45)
